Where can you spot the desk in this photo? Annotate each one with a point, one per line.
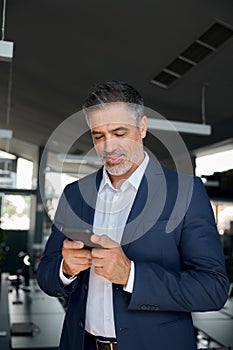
(210, 315)
(34, 302)
(228, 308)
(217, 325)
(48, 335)
(220, 331)
(4, 315)
(44, 312)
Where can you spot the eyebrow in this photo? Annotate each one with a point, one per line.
(120, 128)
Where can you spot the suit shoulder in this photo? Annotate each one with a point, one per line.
(187, 182)
(172, 174)
(86, 180)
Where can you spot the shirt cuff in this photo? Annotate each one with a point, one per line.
(129, 286)
(66, 281)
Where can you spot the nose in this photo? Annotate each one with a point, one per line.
(109, 145)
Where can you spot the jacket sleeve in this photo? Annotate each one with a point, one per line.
(48, 269)
(202, 283)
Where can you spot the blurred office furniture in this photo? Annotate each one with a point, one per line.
(227, 243)
(16, 241)
(33, 320)
(228, 348)
(217, 325)
(219, 185)
(220, 190)
(4, 315)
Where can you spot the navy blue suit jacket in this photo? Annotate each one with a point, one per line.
(179, 265)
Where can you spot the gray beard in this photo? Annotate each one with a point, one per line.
(121, 169)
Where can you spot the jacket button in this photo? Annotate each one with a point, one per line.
(144, 307)
(85, 286)
(149, 307)
(81, 324)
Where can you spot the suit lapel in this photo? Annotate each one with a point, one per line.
(148, 204)
(147, 207)
(88, 188)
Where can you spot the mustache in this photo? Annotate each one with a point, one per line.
(115, 153)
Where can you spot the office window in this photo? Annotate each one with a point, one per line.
(212, 163)
(24, 173)
(54, 185)
(216, 170)
(15, 172)
(15, 212)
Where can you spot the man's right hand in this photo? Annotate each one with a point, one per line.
(75, 258)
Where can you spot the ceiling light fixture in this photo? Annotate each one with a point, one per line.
(207, 44)
(184, 127)
(6, 50)
(6, 47)
(6, 134)
(177, 126)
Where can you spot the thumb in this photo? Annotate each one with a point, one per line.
(104, 241)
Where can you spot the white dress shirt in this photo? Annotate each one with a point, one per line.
(112, 210)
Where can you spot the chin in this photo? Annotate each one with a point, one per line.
(116, 171)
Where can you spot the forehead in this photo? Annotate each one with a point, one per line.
(112, 113)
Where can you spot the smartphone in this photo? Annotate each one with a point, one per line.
(81, 234)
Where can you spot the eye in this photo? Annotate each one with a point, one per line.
(119, 134)
(98, 137)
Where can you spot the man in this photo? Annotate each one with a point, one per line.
(136, 291)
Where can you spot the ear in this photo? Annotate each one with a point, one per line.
(143, 126)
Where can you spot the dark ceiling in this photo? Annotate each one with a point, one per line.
(63, 47)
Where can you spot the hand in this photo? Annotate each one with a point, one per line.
(110, 262)
(75, 258)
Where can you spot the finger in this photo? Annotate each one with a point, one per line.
(97, 262)
(100, 271)
(81, 261)
(76, 253)
(68, 244)
(72, 271)
(99, 253)
(104, 241)
(73, 265)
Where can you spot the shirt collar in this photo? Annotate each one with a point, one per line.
(134, 179)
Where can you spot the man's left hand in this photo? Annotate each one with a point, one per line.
(111, 261)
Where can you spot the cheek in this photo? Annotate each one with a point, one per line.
(98, 147)
(133, 145)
